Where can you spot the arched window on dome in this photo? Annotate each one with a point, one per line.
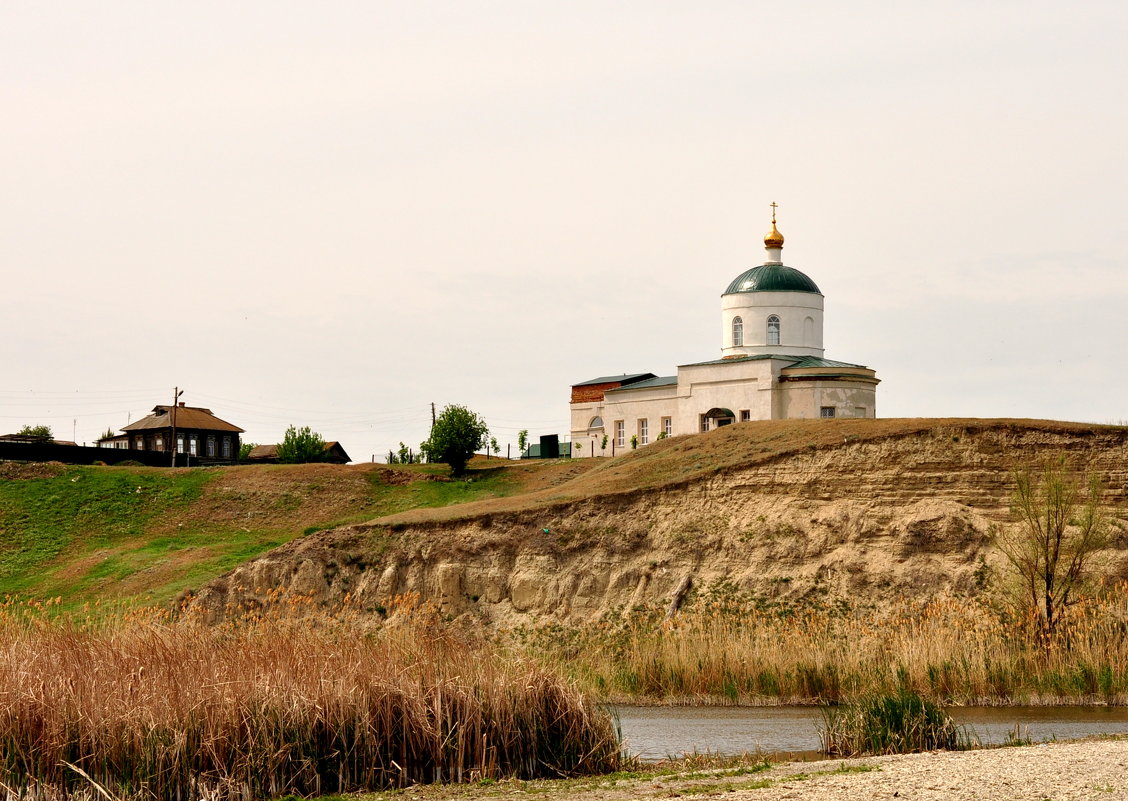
(773, 330)
(737, 332)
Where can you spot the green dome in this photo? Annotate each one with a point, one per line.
(772, 278)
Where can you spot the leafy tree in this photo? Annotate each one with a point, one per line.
(494, 446)
(108, 433)
(603, 443)
(522, 440)
(455, 436)
(39, 432)
(245, 449)
(301, 445)
(634, 441)
(1060, 526)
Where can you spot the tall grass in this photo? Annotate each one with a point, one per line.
(148, 708)
(962, 651)
(890, 724)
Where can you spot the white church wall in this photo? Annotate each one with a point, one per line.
(801, 323)
(737, 385)
(805, 399)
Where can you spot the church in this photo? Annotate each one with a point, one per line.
(771, 368)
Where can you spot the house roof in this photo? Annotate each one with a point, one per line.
(186, 417)
(625, 378)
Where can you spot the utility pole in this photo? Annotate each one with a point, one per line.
(432, 414)
(176, 393)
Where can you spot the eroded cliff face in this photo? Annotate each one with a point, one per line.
(866, 521)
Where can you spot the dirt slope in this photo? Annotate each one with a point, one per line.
(864, 510)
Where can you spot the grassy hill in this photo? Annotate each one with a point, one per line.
(90, 533)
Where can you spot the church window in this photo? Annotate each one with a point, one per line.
(773, 330)
(704, 423)
(737, 332)
(643, 431)
(668, 426)
(620, 433)
(826, 411)
(596, 422)
(745, 415)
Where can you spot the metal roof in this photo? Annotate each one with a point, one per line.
(772, 278)
(796, 361)
(186, 417)
(737, 359)
(813, 361)
(625, 378)
(660, 381)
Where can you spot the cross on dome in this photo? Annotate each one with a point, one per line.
(773, 239)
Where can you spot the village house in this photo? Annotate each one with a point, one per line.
(197, 432)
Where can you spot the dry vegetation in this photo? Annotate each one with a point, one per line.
(963, 651)
(282, 702)
(682, 460)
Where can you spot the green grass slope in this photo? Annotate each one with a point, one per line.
(98, 533)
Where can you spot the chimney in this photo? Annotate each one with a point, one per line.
(181, 404)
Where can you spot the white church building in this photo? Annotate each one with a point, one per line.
(771, 368)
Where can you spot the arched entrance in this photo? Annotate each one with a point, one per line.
(717, 417)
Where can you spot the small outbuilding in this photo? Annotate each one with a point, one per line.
(268, 454)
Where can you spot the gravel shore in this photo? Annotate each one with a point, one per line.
(1057, 771)
(1072, 771)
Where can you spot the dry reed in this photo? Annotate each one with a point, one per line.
(961, 651)
(148, 708)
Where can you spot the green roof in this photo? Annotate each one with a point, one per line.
(661, 381)
(796, 361)
(625, 378)
(814, 361)
(772, 278)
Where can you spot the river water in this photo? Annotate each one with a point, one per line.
(656, 732)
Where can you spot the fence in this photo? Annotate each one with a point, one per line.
(79, 454)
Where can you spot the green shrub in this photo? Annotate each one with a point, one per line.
(890, 724)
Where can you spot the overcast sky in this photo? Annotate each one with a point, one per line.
(334, 214)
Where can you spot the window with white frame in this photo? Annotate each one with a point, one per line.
(826, 411)
(745, 415)
(620, 433)
(668, 426)
(211, 447)
(737, 332)
(193, 446)
(160, 442)
(773, 330)
(643, 431)
(704, 423)
(180, 443)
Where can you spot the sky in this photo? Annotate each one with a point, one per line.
(335, 214)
